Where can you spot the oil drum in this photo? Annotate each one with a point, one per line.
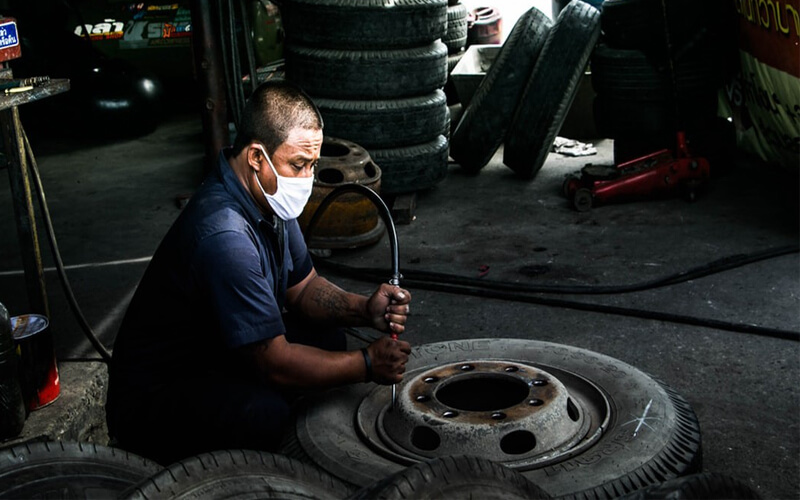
(351, 220)
(38, 370)
(485, 26)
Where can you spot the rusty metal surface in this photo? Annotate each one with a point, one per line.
(25, 216)
(351, 220)
(48, 89)
(210, 77)
(510, 412)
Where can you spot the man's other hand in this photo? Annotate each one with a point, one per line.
(389, 358)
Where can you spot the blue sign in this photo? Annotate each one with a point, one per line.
(8, 35)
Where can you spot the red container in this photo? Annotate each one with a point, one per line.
(38, 371)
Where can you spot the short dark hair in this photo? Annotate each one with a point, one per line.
(272, 111)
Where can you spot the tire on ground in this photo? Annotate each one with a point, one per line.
(620, 462)
(456, 36)
(483, 124)
(367, 74)
(356, 24)
(385, 123)
(453, 477)
(704, 486)
(551, 88)
(633, 75)
(234, 473)
(412, 168)
(69, 470)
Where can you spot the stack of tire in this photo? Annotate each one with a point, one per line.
(657, 69)
(377, 72)
(455, 37)
(526, 94)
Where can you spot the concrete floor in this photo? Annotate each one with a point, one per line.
(111, 204)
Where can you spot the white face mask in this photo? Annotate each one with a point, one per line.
(292, 193)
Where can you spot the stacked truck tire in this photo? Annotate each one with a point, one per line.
(657, 69)
(377, 73)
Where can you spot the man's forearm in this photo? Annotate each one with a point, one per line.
(321, 300)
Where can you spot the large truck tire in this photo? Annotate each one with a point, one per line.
(483, 125)
(388, 123)
(61, 469)
(360, 24)
(239, 474)
(551, 88)
(412, 168)
(635, 75)
(459, 476)
(456, 36)
(367, 74)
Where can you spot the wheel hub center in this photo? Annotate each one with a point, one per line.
(501, 410)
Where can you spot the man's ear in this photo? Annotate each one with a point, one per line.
(254, 156)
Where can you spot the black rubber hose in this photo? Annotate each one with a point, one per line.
(383, 211)
(248, 45)
(717, 266)
(51, 236)
(600, 308)
(518, 293)
(235, 59)
(226, 63)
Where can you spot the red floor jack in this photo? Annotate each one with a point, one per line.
(656, 174)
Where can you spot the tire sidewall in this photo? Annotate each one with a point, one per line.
(622, 459)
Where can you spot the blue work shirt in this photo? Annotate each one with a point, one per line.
(217, 282)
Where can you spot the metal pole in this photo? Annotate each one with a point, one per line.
(22, 198)
(209, 75)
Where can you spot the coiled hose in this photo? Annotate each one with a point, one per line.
(448, 283)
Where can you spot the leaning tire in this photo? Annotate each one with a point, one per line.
(453, 477)
(485, 120)
(412, 168)
(69, 470)
(551, 88)
(624, 456)
(385, 123)
(237, 473)
(367, 74)
(356, 24)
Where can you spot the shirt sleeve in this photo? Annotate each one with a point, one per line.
(229, 268)
(301, 260)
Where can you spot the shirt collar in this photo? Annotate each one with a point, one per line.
(238, 192)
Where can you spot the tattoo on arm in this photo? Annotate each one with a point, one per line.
(331, 301)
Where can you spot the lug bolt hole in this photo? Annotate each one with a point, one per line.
(538, 382)
(423, 398)
(498, 415)
(450, 414)
(467, 368)
(430, 380)
(535, 402)
(512, 369)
